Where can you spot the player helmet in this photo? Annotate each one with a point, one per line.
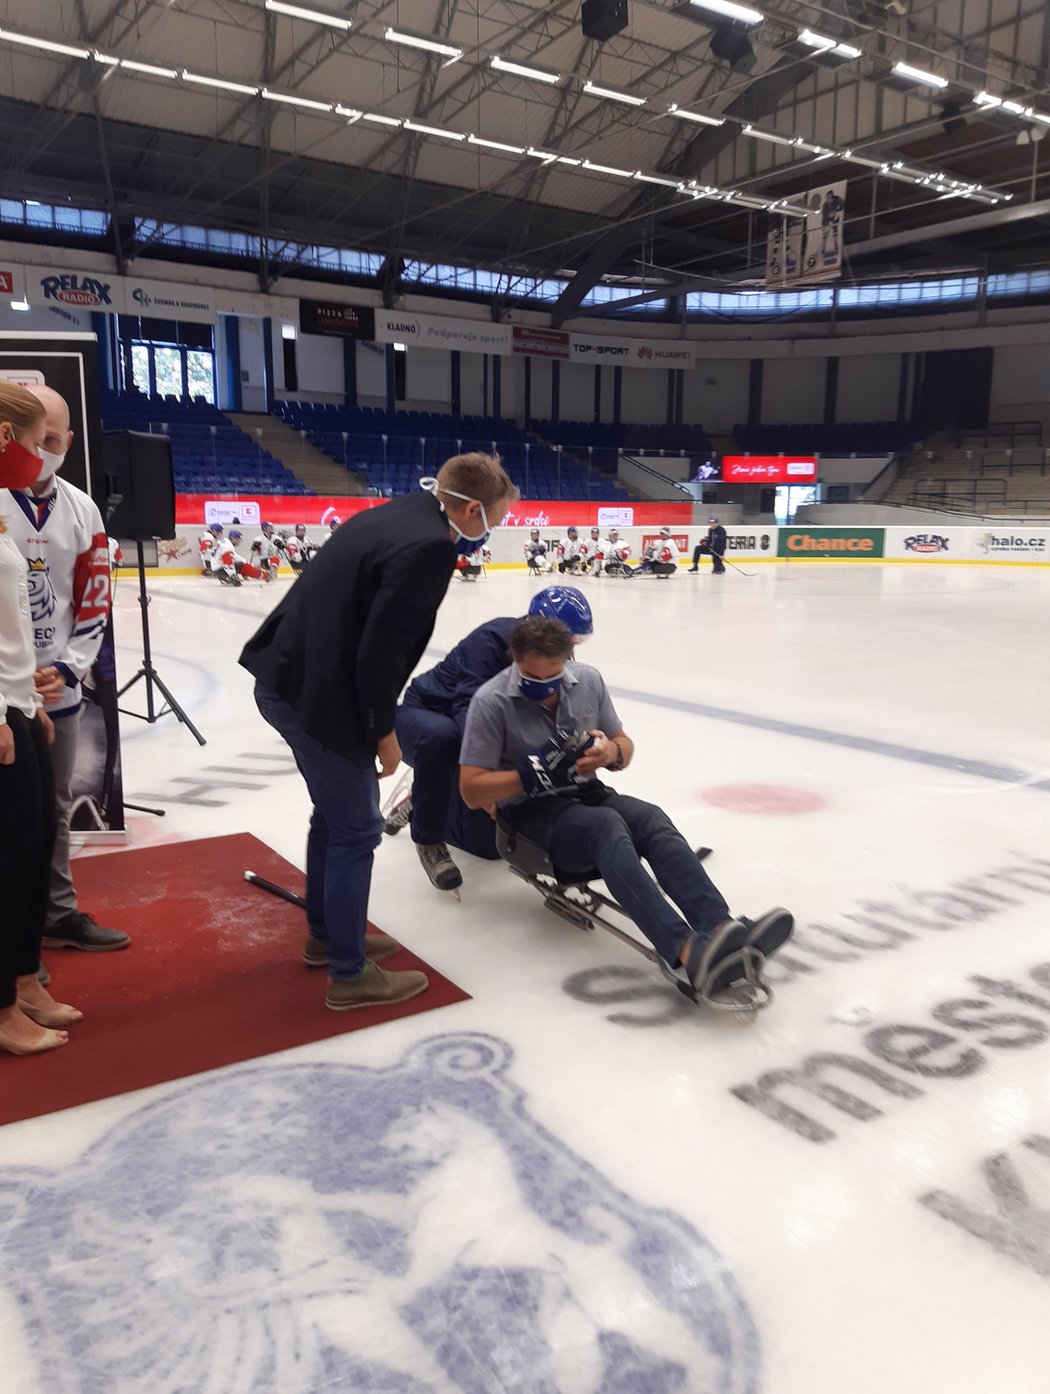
(300, 529)
(596, 532)
(216, 528)
(573, 533)
(614, 533)
(665, 532)
(267, 529)
(535, 534)
(235, 534)
(567, 604)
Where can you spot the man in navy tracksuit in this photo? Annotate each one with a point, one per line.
(429, 728)
(714, 546)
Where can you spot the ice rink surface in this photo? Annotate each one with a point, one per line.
(577, 1182)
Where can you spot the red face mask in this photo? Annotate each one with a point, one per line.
(19, 467)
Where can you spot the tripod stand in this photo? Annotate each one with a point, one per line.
(150, 675)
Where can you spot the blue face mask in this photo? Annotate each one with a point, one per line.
(539, 689)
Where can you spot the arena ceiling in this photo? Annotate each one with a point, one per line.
(341, 135)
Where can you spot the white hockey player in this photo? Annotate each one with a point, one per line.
(536, 556)
(616, 553)
(570, 551)
(265, 553)
(469, 567)
(208, 546)
(661, 556)
(229, 564)
(334, 522)
(592, 551)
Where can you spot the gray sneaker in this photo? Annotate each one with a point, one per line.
(398, 817)
(438, 864)
(374, 987)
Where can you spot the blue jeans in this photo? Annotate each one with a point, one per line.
(613, 837)
(430, 742)
(345, 829)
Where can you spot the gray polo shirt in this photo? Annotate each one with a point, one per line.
(503, 726)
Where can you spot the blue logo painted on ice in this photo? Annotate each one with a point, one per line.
(407, 1230)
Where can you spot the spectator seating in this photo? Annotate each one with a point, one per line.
(852, 438)
(418, 443)
(209, 453)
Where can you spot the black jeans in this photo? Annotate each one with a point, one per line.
(27, 839)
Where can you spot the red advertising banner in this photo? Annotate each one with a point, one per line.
(7, 283)
(192, 510)
(769, 469)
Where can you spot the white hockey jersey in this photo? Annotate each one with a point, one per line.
(617, 548)
(570, 548)
(67, 555)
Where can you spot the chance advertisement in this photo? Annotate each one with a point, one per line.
(831, 544)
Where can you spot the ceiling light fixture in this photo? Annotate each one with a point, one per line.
(729, 10)
(608, 169)
(292, 100)
(496, 145)
(695, 116)
(547, 155)
(378, 120)
(822, 44)
(657, 179)
(106, 59)
(919, 75)
(279, 7)
(219, 82)
(434, 131)
(767, 135)
(349, 113)
(48, 45)
(503, 65)
(986, 99)
(449, 51)
(149, 69)
(608, 93)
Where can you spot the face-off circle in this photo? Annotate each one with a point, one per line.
(773, 799)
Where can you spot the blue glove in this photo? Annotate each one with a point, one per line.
(550, 768)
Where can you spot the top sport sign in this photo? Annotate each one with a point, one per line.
(769, 469)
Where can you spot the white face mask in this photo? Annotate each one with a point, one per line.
(52, 465)
(432, 487)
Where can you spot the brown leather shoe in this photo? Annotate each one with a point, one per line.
(377, 946)
(374, 987)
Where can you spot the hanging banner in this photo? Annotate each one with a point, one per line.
(68, 364)
(440, 331)
(164, 300)
(804, 251)
(631, 352)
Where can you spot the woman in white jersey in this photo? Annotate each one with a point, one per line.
(31, 1020)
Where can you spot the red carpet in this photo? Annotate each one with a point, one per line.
(212, 976)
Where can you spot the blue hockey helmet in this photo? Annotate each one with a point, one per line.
(573, 532)
(235, 534)
(567, 604)
(216, 528)
(267, 528)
